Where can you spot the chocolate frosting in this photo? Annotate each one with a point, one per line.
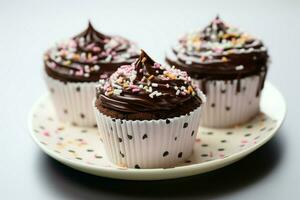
(88, 55)
(146, 86)
(220, 52)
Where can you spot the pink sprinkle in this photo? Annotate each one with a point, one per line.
(221, 155)
(157, 65)
(96, 49)
(90, 46)
(46, 133)
(135, 90)
(198, 140)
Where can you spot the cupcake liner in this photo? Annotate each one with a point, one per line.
(148, 143)
(225, 106)
(73, 101)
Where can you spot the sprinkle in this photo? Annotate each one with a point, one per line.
(224, 59)
(86, 75)
(144, 60)
(96, 67)
(152, 94)
(154, 84)
(135, 90)
(96, 49)
(240, 67)
(150, 77)
(177, 92)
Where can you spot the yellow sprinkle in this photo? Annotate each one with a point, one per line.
(224, 59)
(190, 89)
(76, 57)
(110, 93)
(68, 62)
(171, 76)
(150, 77)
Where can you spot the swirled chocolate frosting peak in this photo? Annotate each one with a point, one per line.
(88, 55)
(220, 52)
(147, 86)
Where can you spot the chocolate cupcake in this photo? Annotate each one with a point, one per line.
(148, 114)
(230, 66)
(74, 67)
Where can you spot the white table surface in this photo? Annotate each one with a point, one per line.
(28, 28)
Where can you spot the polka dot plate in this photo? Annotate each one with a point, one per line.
(81, 148)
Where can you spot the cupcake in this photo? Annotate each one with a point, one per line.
(148, 114)
(230, 67)
(73, 69)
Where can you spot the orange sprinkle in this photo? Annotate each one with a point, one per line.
(171, 76)
(150, 77)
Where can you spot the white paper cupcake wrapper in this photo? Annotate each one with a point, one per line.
(225, 107)
(73, 101)
(148, 143)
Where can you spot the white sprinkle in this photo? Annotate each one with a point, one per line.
(154, 84)
(96, 67)
(152, 94)
(175, 87)
(158, 94)
(183, 88)
(141, 86)
(86, 75)
(240, 67)
(167, 85)
(117, 91)
(177, 92)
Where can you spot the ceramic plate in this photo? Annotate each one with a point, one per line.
(81, 148)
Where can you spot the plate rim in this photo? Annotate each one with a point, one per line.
(143, 174)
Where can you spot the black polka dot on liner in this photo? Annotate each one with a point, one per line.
(204, 145)
(221, 149)
(111, 128)
(213, 105)
(78, 158)
(90, 150)
(185, 125)
(71, 151)
(82, 115)
(249, 126)
(175, 138)
(61, 138)
(262, 129)
(95, 125)
(229, 133)
(74, 123)
(129, 137)
(98, 157)
(145, 136)
(165, 153)
(122, 154)
(193, 132)
(113, 120)
(137, 167)
(223, 141)
(179, 154)
(210, 133)
(223, 91)
(247, 134)
(42, 127)
(78, 89)
(227, 108)
(187, 161)
(65, 111)
(83, 131)
(51, 90)
(168, 121)
(120, 139)
(204, 155)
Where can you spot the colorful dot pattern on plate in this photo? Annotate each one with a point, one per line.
(84, 144)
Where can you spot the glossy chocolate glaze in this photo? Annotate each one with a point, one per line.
(220, 52)
(89, 55)
(146, 86)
